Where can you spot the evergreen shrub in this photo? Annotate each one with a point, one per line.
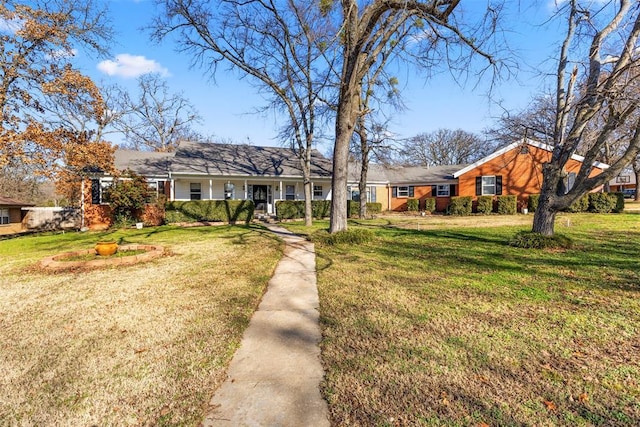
(602, 202)
(485, 205)
(430, 204)
(507, 205)
(210, 210)
(532, 203)
(460, 205)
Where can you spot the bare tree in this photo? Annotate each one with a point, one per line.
(609, 94)
(444, 147)
(281, 46)
(429, 32)
(156, 119)
(535, 121)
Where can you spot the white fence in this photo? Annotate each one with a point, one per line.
(52, 218)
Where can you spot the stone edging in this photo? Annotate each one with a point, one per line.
(152, 252)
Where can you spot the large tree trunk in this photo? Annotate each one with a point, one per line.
(344, 132)
(544, 217)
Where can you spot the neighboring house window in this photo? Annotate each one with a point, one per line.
(195, 191)
(403, 191)
(317, 191)
(290, 193)
(442, 191)
(4, 216)
(623, 179)
(489, 185)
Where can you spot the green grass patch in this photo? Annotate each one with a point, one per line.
(442, 323)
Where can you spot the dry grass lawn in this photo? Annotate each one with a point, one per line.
(436, 325)
(139, 345)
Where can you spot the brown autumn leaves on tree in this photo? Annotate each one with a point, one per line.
(36, 78)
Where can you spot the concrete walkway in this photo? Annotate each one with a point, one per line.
(274, 377)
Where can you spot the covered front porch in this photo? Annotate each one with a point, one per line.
(264, 193)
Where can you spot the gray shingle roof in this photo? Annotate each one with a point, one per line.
(244, 160)
(421, 174)
(147, 163)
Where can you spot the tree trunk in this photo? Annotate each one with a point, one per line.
(636, 172)
(339, 209)
(362, 187)
(544, 217)
(308, 208)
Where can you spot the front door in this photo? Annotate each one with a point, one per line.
(260, 198)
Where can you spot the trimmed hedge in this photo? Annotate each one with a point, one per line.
(430, 204)
(412, 205)
(532, 203)
(580, 205)
(602, 202)
(485, 205)
(294, 209)
(507, 205)
(209, 210)
(619, 202)
(460, 205)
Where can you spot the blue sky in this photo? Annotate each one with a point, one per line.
(227, 105)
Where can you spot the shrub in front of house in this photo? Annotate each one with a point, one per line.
(580, 205)
(430, 204)
(619, 202)
(532, 202)
(507, 205)
(210, 210)
(602, 202)
(412, 205)
(485, 205)
(460, 205)
(354, 208)
(294, 209)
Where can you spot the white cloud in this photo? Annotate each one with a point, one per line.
(131, 66)
(10, 26)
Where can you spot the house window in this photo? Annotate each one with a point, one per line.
(623, 179)
(317, 191)
(4, 216)
(489, 185)
(290, 192)
(442, 191)
(195, 191)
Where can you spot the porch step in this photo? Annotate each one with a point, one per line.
(266, 218)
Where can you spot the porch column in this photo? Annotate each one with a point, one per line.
(172, 190)
(280, 190)
(210, 189)
(246, 189)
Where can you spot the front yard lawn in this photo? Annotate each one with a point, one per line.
(434, 324)
(140, 345)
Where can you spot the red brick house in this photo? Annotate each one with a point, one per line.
(513, 170)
